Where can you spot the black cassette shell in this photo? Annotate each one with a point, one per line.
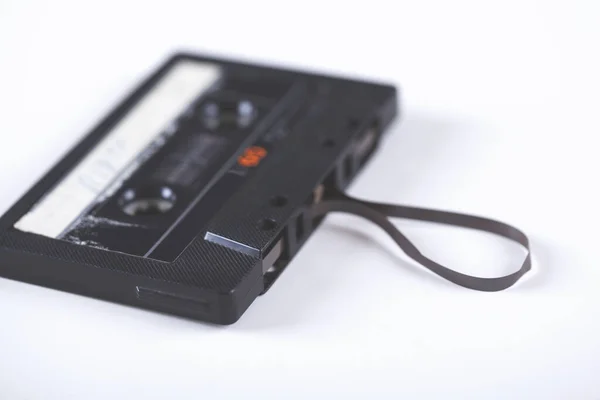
(218, 269)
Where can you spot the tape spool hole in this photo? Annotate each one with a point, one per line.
(147, 201)
(228, 114)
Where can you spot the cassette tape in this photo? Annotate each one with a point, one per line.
(190, 197)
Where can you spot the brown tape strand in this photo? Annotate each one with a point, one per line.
(378, 213)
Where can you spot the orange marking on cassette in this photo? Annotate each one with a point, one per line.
(252, 156)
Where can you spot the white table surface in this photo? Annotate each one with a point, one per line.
(500, 118)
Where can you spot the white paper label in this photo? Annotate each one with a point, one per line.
(119, 149)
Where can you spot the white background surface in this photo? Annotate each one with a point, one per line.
(500, 119)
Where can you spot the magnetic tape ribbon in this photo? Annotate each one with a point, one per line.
(378, 213)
